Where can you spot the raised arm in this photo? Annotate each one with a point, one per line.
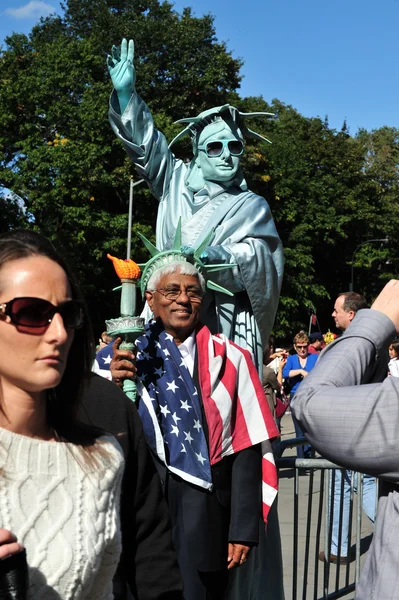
(133, 124)
(346, 417)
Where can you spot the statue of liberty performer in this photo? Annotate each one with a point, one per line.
(209, 195)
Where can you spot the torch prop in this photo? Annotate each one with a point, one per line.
(127, 326)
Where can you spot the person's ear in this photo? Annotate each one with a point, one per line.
(149, 296)
(351, 314)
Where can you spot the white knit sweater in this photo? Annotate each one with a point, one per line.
(65, 512)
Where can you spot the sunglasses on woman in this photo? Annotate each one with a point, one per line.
(216, 148)
(36, 312)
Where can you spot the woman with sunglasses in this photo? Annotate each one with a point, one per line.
(296, 368)
(59, 479)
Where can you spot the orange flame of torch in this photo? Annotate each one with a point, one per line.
(125, 269)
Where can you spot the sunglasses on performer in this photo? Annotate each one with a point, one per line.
(36, 312)
(216, 148)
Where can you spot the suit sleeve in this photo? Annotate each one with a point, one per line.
(246, 500)
(346, 417)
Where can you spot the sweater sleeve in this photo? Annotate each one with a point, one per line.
(287, 367)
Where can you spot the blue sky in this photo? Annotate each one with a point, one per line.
(338, 58)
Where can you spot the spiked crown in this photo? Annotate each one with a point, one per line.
(163, 258)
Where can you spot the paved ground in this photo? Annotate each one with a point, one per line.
(286, 517)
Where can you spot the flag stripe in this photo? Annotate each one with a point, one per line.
(234, 388)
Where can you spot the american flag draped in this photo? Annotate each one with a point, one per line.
(236, 410)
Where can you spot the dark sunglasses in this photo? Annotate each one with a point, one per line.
(36, 312)
(216, 148)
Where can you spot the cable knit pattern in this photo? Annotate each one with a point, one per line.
(65, 512)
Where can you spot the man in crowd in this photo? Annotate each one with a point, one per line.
(346, 306)
(316, 343)
(355, 422)
(205, 417)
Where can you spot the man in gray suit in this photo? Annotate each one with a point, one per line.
(346, 307)
(358, 426)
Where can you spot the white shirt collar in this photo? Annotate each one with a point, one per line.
(187, 350)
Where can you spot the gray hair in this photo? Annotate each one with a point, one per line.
(184, 268)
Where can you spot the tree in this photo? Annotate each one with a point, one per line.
(328, 190)
(12, 214)
(57, 150)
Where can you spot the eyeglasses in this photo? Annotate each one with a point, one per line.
(36, 312)
(195, 295)
(300, 346)
(216, 148)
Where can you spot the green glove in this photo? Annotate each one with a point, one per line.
(123, 74)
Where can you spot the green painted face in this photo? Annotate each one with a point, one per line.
(225, 166)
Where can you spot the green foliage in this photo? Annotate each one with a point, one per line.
(329, 191)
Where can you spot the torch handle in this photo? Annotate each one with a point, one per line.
(129, 386)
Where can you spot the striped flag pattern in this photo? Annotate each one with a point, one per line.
(236, 410)
(235, 406)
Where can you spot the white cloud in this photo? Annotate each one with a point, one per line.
(33, 10)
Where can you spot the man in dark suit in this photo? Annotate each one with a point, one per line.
(215, 505)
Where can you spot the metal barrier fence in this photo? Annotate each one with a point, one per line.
(307, 576)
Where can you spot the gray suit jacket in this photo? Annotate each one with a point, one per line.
(357, 426)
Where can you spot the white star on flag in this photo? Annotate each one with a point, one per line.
(188, 437)
(169, 337)
(183, 448)
(172, 386)
(175, 430)
(157, 344)
(197, 425)
(183, 364)
(200, 458)
(164, 410)
(175, 418)
(107, 360)
(185, 405)
(166, 352)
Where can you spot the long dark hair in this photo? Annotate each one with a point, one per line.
(63, 401)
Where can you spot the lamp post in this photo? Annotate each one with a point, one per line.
(380, 240)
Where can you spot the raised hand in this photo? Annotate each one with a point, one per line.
(388, 302)
(121, 69)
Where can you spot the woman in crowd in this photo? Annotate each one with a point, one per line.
(296, 368)
(393, 365)
(60, 479)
